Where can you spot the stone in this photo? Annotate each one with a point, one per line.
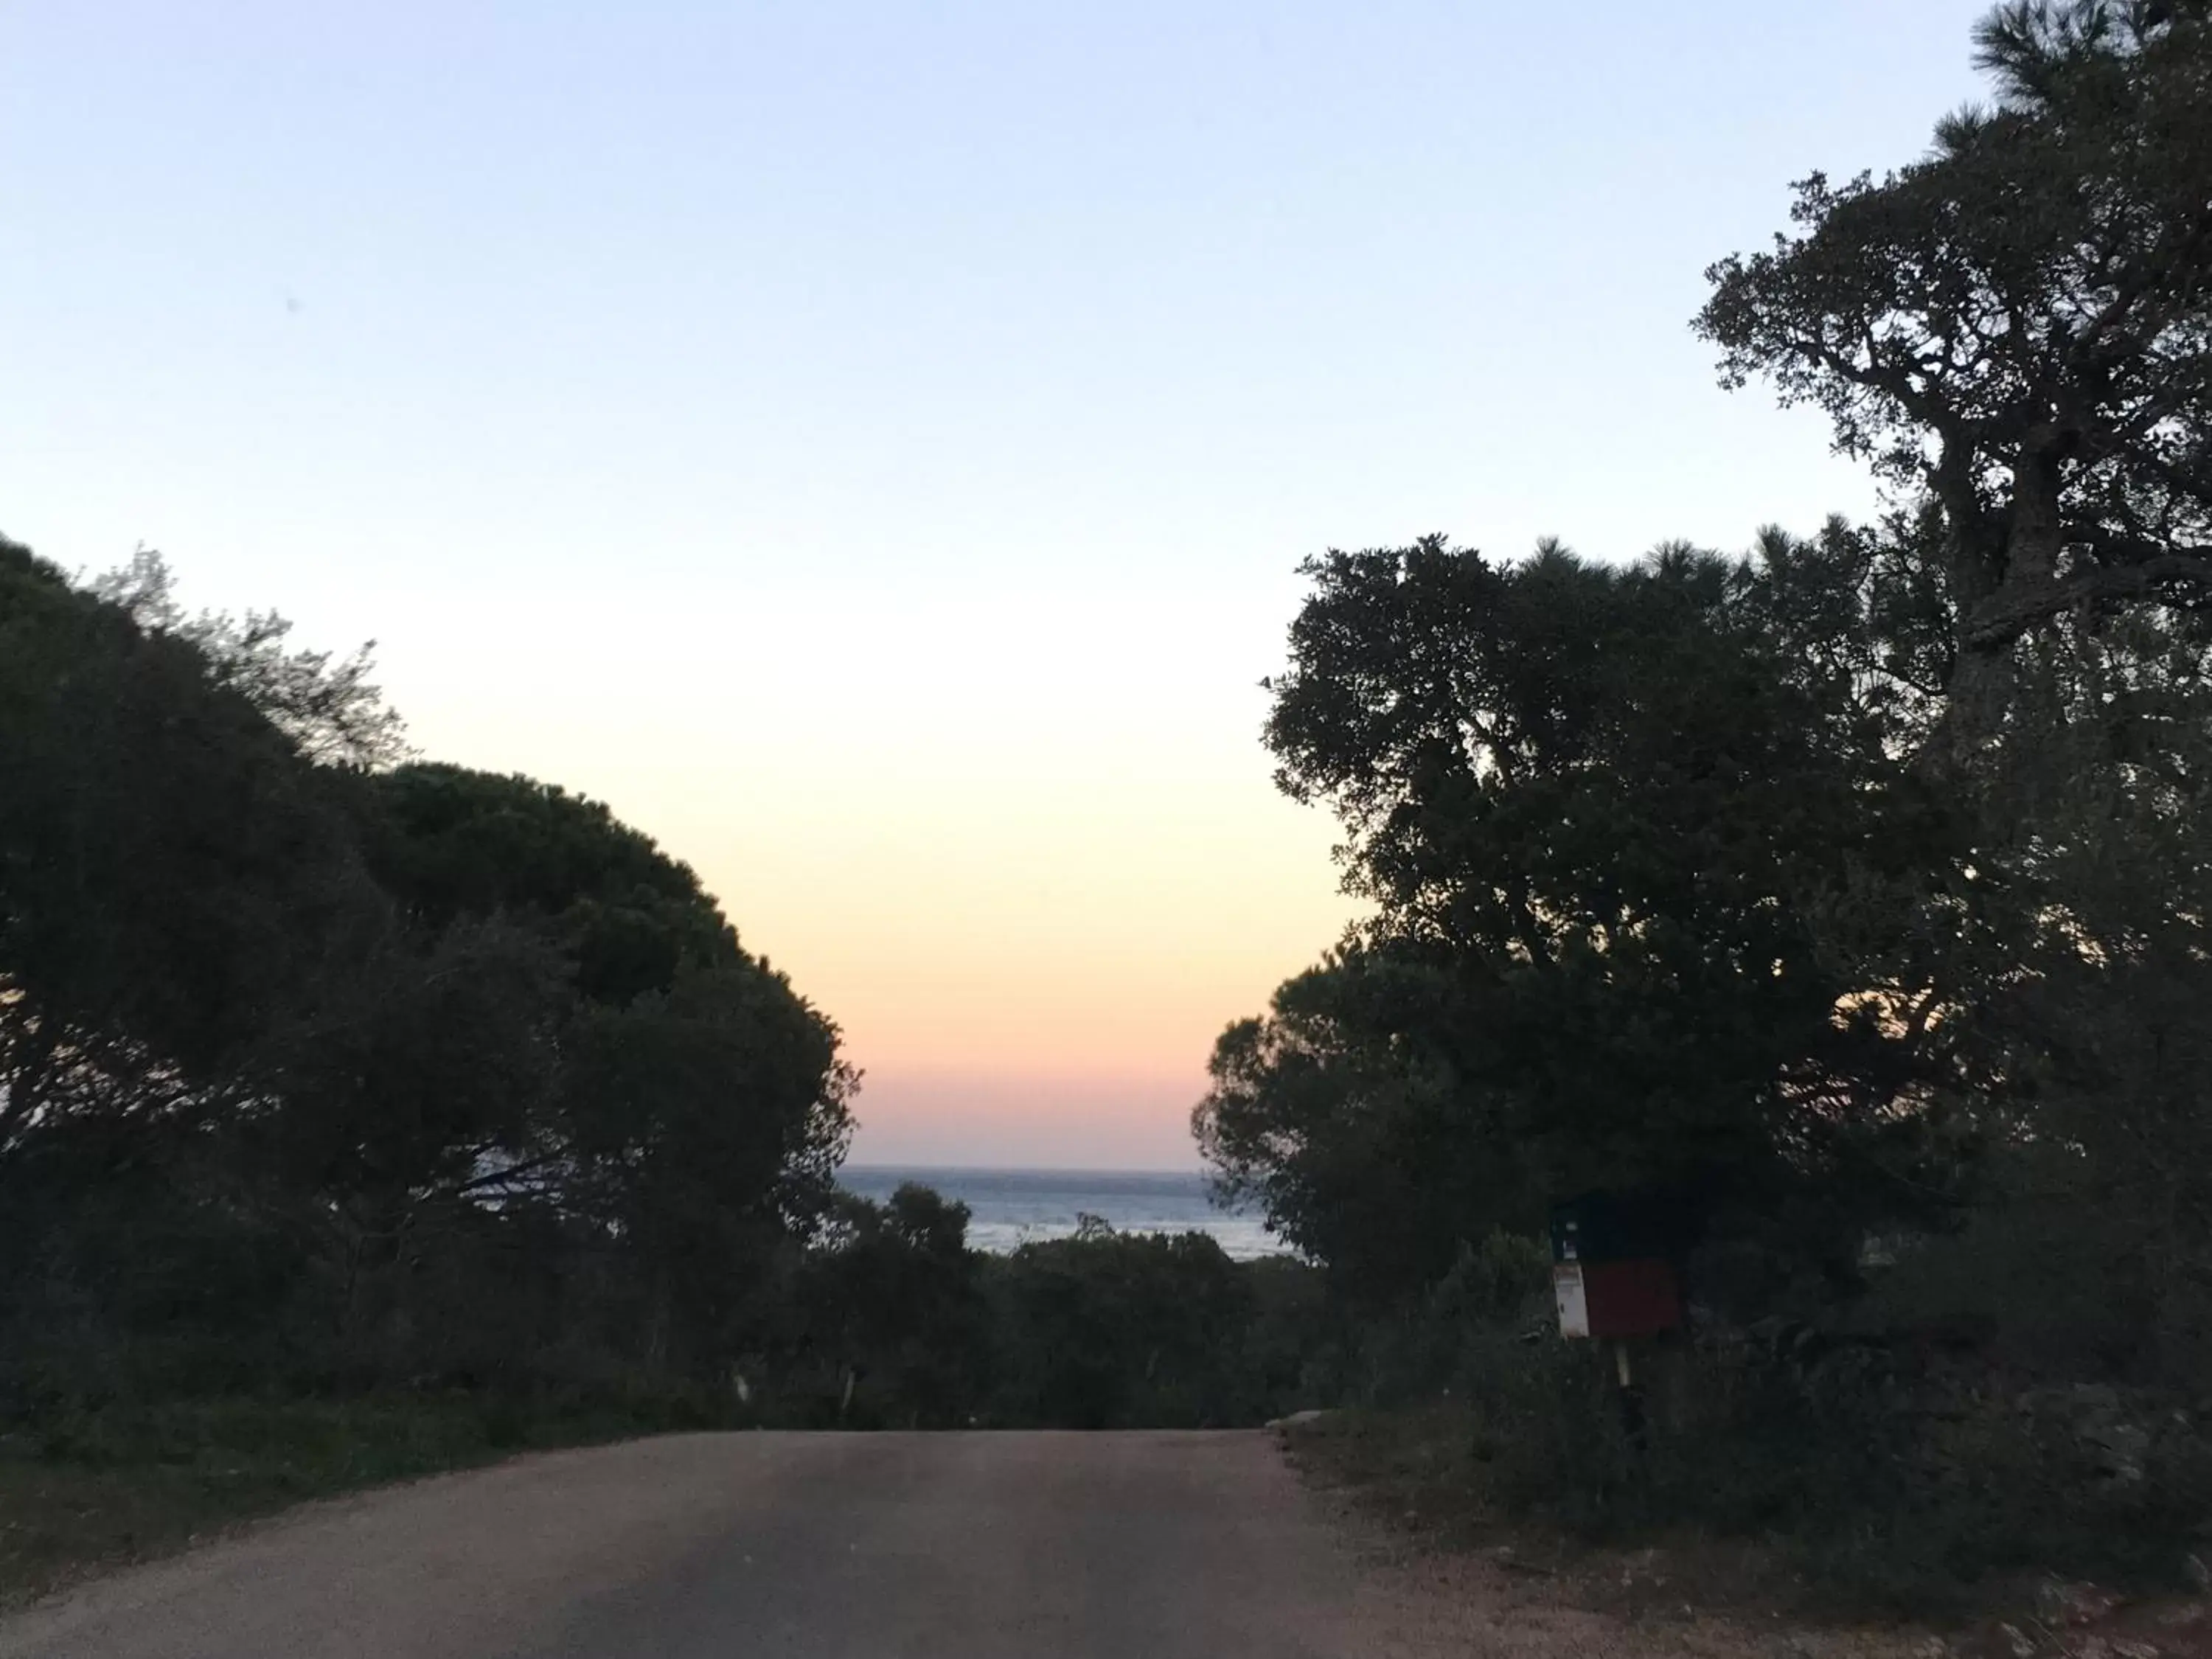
(2123, 1448)
(2062, 1603)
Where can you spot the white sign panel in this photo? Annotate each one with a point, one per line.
(1574, 1306)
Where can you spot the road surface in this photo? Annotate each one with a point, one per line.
(1134, 1546)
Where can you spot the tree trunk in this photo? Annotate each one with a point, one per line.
(2034, 532)
(658, 1317)
(1992, 578)
(1974, 708)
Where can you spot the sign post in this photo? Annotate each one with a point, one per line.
(1613, 1278)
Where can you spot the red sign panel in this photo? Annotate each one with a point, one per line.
(1630, 1298)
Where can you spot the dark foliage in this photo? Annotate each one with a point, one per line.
(1610, 836)
(318, 1075)
(1851, 895)
(2019, 326)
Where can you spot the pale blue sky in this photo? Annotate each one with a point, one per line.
(869, 444)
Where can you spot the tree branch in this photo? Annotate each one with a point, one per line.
(1998, 624)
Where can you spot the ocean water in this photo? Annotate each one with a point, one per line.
(1011, 1207)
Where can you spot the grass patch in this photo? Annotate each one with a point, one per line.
(85, 1490)
(1413, 1468)
(1429, 1472)
(1426, 1471)
(1438, 1474)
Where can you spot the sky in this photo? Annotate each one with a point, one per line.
(870, 446)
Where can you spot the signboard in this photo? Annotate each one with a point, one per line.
(1574, 1306)
(1613, 1271)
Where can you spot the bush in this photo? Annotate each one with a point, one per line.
(1109, 1330)
(1890, 1484)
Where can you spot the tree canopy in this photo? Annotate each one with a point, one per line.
(381, 1025)
(1822, 886)
(2020, 325)
(1603, 826)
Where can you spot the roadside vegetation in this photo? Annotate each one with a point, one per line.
(362, 1115)
(1849, 896)
(113, 1480)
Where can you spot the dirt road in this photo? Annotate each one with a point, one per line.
(814, 1546)
(862, 1546)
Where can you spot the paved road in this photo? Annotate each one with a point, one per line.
(800, 1546)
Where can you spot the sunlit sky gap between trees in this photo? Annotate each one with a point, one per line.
(870, 446)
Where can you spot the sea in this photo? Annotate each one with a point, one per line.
(1009, 1208)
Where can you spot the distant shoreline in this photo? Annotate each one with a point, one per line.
(1085, 1171)
(1009, 1207)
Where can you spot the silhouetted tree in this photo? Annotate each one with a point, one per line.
(2019, 326)
(1610, 836)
